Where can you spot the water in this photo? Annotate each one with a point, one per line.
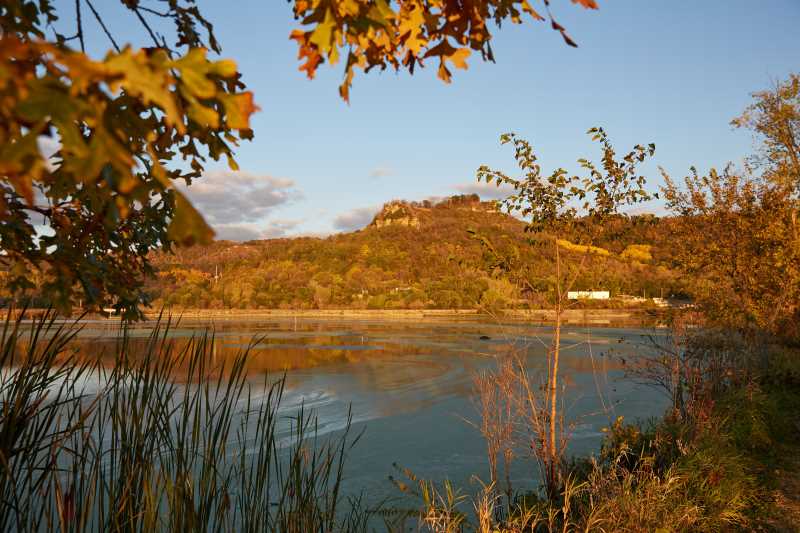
(408, 385)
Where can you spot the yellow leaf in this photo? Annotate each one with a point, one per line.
(526, 7)
(203, 115)
(322, 36)
(141, 78)
(225, 68)
(412, 25)
(22, 164)
(104, 149)
(194, 68)
(349, 7)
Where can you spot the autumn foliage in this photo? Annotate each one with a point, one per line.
(120, 132)
(370, 34)
(430, 262)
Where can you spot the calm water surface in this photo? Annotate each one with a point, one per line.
(409, 384)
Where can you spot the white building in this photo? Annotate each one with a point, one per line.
(588, 295)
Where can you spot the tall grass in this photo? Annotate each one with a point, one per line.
(163, 439)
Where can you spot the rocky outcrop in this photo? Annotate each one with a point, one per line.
(396, 214)
(409, 214)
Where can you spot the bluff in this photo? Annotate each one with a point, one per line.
(410, 214)
(412, 255)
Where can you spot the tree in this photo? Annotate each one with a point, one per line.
(774, 118)
(554, 205)
(125, 129)
(738, 240)
(737, 231)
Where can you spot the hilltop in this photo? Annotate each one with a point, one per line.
(413, 255)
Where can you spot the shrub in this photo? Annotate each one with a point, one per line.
(637, 252)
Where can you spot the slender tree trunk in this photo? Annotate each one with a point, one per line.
(553, 392)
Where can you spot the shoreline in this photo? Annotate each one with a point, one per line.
(570, 316)
(589, 317)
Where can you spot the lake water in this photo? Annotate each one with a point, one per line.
(409, 385)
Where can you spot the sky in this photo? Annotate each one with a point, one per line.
(672, 73)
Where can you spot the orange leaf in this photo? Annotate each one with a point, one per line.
(313, 60)
(238, 108)
(443, 73)
(459, 58)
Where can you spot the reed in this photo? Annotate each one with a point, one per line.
(162, 440)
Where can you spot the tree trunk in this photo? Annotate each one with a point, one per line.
(552, 400)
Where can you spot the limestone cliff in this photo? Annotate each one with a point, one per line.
(414, 214)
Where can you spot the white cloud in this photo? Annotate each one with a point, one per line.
(279, 228)
(355, 218)
(435, 199)
(227, 198)
(271, 229)
(236, 203)
(380, 172)
(312, 234)
(238, 232)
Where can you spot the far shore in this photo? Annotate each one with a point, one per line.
(597, 317)
(570, 316)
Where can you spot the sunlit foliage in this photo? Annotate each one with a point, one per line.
(738, 231)
(774, 119)
(738, 240)
(123, 129)
(405, 34)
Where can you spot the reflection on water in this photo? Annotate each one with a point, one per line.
(408, 384)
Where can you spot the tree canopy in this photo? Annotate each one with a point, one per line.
(737, 235)
(774, 119)
(554, 201)
(124, 129)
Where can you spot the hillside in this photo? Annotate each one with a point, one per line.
(412, 255)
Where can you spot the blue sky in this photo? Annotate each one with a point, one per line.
(673, 73)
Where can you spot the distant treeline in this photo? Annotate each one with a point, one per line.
(412, 256)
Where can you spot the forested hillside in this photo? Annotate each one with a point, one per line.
(412, 255)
